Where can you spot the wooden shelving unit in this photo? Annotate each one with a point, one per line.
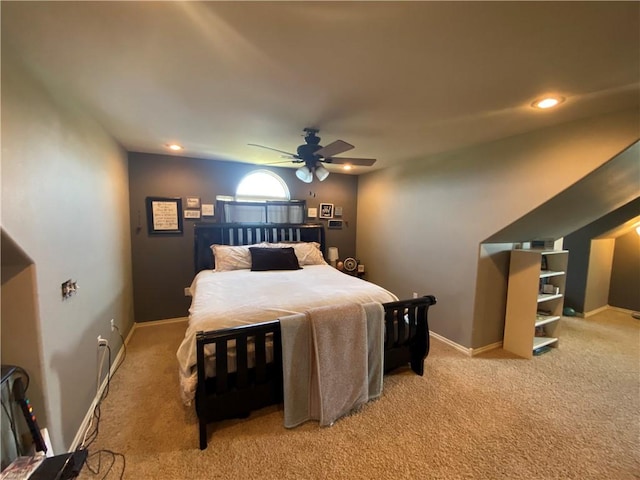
(534, 311)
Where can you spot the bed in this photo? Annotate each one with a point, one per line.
(231, 356)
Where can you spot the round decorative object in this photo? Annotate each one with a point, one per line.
(350, 264)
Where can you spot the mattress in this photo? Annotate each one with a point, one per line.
(242, 297)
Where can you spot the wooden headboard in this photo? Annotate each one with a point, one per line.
(207, 234)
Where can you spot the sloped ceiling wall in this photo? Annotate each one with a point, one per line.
(607, 188)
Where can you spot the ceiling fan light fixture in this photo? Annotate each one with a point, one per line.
(347, 167)
(304, 174)
(322, 173)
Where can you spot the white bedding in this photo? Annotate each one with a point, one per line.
(240, 297)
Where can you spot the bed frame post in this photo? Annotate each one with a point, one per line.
(201, 389)
(420, 348)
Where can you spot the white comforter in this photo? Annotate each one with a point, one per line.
(240, 297)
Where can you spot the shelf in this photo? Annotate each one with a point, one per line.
(529, 312)
(539, 342)
(550, 273)
(545, 297)
(544, 319)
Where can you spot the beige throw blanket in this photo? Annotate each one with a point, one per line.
(332, 361)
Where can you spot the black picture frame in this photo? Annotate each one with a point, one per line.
(325, 210)
(164, 216)
(337, 224)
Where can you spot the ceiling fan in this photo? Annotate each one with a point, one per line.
(313, 155)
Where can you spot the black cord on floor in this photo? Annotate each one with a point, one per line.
(12, 424)
(113, 456)
(13, 428)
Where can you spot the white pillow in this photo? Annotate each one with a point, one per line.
(308, 253)
(233, 257)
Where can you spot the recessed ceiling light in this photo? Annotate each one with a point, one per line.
(547, 102)
(174, 146)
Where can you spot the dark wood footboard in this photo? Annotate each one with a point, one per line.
(234, 393)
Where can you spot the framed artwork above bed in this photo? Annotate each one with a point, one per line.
(164, 215)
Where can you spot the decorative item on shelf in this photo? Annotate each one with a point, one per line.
(541, 350)
(332, 256)
(350, 264)
(351, 267)
(542, 244)
(548, 288)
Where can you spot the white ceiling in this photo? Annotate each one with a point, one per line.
(399, 80)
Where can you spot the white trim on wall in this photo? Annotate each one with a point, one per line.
(470, 352)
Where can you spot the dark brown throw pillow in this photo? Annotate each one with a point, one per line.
(263, 259)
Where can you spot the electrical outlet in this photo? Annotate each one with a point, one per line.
(113, 325)
(187, 292)
(102, 342)
(69, 288)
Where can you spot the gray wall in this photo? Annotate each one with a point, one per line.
(420, 224)
(163, 265)
(65, 207)
(623, 283)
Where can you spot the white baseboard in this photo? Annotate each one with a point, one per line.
(590, 313)
(486, 348)
(154, 323)
(451, 343)
(621, 310)
(87, 418)
(470, 352)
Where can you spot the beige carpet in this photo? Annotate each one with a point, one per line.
(572, 413)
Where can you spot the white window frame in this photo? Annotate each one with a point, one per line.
(261, 198)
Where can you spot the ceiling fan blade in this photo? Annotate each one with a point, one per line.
(334, 148)
(293, 155)
(293, 160)
(361, 162)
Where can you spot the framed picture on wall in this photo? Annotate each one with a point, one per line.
(164, 215)
(326, 210)
(193, 202)
(207, 209)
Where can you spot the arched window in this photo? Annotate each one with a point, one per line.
(261, 185)
(262, 197)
